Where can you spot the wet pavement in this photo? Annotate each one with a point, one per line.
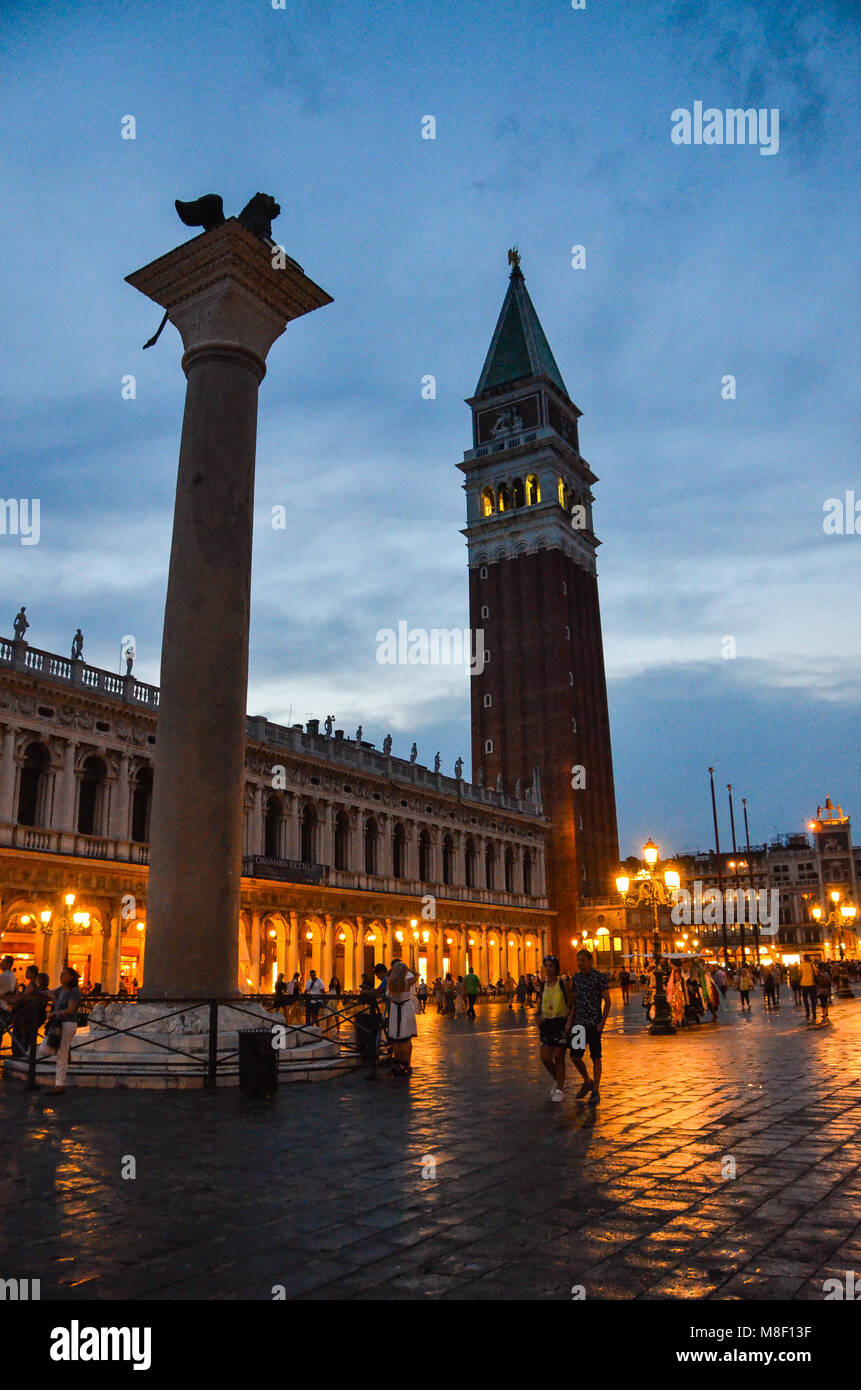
(464, 1183)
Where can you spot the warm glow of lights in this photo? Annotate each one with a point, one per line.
(671, 878)
(370, 939)
(448, 941)
(602, 931)
(273, 933)
(309, 936)
(492, 941)
(69, 899)
(45, 916)
(650, 852)
(414, 922)
(834, 895)
(141, 925)
(529, 943)
(26, 920)
(848, 911)
(425, 936)
(816, 912)
(399, 936)
(471, 941)
(343, 936)
(623, 883)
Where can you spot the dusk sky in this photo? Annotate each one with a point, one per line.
(553, 130)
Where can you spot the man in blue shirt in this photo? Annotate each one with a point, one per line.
(590, 1005)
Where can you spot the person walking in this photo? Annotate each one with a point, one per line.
(422, 995)
(769, 989)
(472, 985)
(720, 978)
(823, 989)
(314, 988)
(554, 1006)
(590, 1006)
(402, 1017)
(795, 984)
(62, 1026)
(808, 988)
(625, 984)
(448, 991)
(744, 984)
(509, 989)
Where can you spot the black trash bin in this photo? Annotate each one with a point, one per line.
(258, 1062)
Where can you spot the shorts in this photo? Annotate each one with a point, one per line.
(593, 1042)
(552, 1032)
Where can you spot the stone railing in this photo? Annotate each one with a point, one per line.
(364, 757)
(44, 840)
(20, 656)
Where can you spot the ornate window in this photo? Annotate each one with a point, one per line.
(504, 501)
(469, 863)
(91, 797)
(372, 840)
(425, 856)
(533, 490)
(33, 787)
(141, 804)
(487, 502)
(518, 495)
(399, 847)
(490, 867)
(527, 871)
(447, 858)
(342, 840)
(509, 871)
(308, 838)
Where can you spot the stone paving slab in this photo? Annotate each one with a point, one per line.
(464, 1184)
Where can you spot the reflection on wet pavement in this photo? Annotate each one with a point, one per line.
(721, 1163)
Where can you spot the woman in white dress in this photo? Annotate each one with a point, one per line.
(402, 1016)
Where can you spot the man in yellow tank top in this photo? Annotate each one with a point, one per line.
(553, 1009)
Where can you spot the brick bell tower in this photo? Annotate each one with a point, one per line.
(540, 701)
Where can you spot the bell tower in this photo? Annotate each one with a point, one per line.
(540, 701)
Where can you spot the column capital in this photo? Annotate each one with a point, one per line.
(223, 292)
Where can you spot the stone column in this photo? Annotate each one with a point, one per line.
(7, 776)
(230, 304)
(293, 946)
(327, 958)
(64, 804)
(119, 826)
(113, 948)
(254, 951)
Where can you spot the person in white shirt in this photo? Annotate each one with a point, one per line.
(313, 987)
(8, 986)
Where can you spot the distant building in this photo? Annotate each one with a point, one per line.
(351, 855)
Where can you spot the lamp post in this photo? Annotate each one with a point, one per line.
(750, 878)
(719, 869)
(735, 867)
(648, 890)
(840, 916)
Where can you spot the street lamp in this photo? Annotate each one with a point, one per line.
(647, 889)
(841, 916)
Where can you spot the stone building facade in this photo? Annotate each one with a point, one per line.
(351, 855)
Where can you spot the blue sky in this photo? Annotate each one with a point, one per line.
(553, 129)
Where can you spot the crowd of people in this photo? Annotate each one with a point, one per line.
(694, 988)
(25, 1009)
(571, 1010)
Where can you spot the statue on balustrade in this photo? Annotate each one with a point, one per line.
(387, 745)
(458, 769)
(21, 625)
(359, 733)
(437, 764)
(329, 724)
(77, 645)
(414, 752)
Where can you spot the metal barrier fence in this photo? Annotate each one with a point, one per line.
(317, 1016)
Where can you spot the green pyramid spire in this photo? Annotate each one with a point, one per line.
(518, 347)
